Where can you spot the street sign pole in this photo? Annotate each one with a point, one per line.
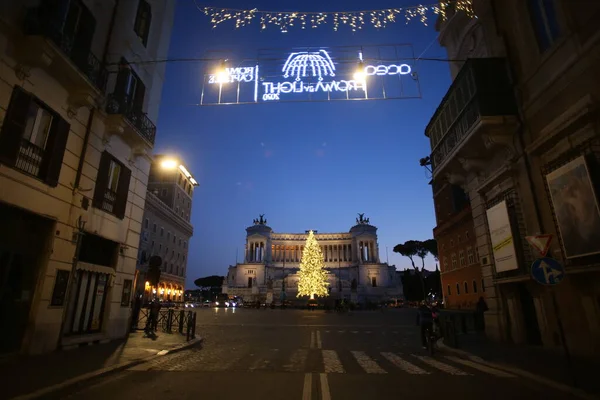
(563, 339)
(547, 271)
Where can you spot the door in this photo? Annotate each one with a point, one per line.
(530, 321)
(86, 310)
(21, 251)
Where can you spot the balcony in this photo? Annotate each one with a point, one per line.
(30, 158)
(108, 201)
(478, 109)
(128, 119)
(48, 45)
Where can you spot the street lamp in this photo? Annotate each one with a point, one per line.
(169, 163)
(222, 74)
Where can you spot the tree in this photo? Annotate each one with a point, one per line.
(432, 248)
(313, 277)
(209, 282)
(412, 248)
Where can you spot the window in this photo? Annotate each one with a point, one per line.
(152, 246)
(174, 239)
(482, 285)
(168, 235)
(466, 287)
(470, 256)
(461, 256)
(544, 22)
(467, 235)
(126, 295)
(184, 244)
(33, 137)
(179, 242)
(457, 288)
(178, 255)
(452, 243)
(166, 250)
(453, 260)
(374, 281)
(128, 97)
(445, 264)
(142, 21)
(112, 186)
(160, 247)
(177, 210)
(154, 228)
(476, 254)
(183, 258)
(474, 286)
(448, 291)
(162, 231)
(146, 223)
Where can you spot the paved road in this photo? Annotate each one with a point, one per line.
(310, 355)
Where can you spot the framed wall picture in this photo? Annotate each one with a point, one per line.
(576, 208)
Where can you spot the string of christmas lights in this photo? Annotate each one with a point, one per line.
(355, 20)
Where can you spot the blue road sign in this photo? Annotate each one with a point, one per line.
(547, 271)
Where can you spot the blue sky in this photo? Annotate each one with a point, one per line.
(303, 165)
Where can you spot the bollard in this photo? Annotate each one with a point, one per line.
(193, 325)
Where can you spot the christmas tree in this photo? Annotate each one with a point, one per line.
(313, 277)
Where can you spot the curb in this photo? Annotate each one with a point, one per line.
(517, 371)
(104, 372)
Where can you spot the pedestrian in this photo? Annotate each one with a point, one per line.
(480, 308)
(425, 320)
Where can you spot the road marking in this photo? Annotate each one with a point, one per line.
(297, 361)
(354, 331)
(307, 391)
(341, 331)
(312, 339)
(319, 343)
(367, 331)
(403, 364)
(370, 366)
(332, 362)
(483, 368)
(325, 388)
(449, 369)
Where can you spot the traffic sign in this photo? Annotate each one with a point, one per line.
(547, 271)
(540, 242)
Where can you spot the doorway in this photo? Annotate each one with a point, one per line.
(22, 243)
(530, 320)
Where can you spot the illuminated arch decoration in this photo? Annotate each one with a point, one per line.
(355, 20)
(314, 74)
(318, 63)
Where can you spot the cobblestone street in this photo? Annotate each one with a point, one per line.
(283, 354)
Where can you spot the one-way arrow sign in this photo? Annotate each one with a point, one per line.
(540, 242)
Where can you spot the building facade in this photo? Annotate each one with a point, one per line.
(519, 131)
(166, 228)
(77, 128)
(462, 283)
(272, 261)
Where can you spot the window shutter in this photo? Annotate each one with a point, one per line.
(83, 40)
(55, 151)
(140, 93)
(13, 126)
(122, 192)
(120, 93)
(148, 12)
(101, 180)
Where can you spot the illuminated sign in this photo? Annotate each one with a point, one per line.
(311, 75)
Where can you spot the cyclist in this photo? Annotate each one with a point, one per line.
(425, 320)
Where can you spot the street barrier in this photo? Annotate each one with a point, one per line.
(170, 321)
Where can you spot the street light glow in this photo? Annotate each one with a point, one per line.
(168, 164)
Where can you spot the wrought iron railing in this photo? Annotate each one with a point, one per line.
(482, 88)
(36, 23)
(30, 157)
(109, 200)
(137, 118)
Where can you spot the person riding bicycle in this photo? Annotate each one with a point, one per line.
(425, 320)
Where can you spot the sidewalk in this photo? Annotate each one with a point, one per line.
(26, 375)
(547, 363)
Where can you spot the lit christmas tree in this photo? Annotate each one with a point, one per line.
(313, 277)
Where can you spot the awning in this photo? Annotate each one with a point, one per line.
(101, 269)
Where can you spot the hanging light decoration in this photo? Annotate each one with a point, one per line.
(355, 20)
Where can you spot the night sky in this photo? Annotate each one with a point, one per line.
(303, 165)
